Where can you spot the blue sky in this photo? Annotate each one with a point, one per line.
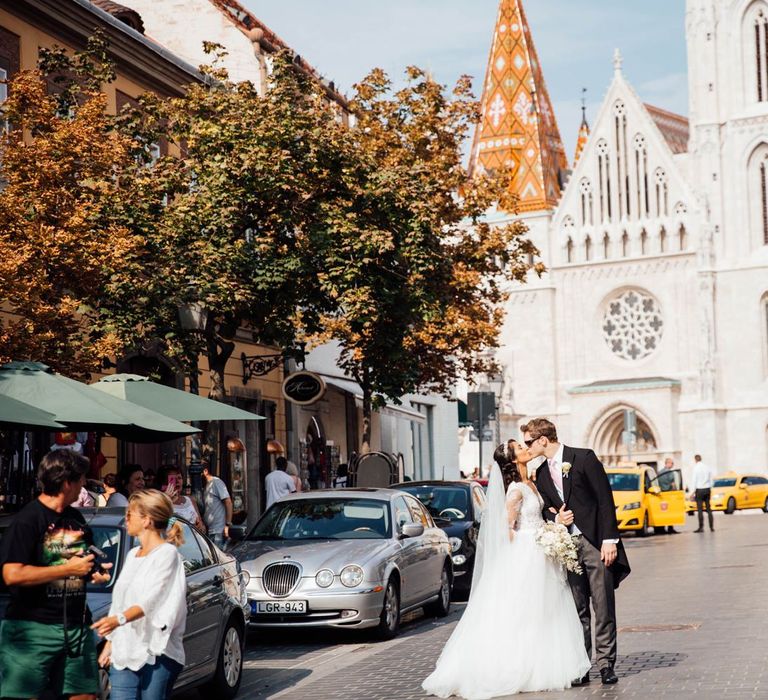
(575, 40)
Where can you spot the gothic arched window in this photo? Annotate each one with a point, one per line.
(587, 249)
(587, 204)
(757, 168)
(625, 244)
(756, 48)
(604, 179)
(641, 170)
(663, 240)
(622, 157)
(606, 246)
(569, 250)
(682, 237)
(643, 242)
(662, 192)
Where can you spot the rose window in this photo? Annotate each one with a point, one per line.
(632, 325)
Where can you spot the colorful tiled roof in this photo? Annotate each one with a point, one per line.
(674, 127)
(583, 137)
(518, 128)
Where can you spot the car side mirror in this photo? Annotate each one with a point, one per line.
(411, 530)
(237, 533)
(742, 486)
(655, 490)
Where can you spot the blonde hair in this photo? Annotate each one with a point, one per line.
(292, 469)
(156, 506)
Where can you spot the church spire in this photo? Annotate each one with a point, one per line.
(518, 127)
(581, 141)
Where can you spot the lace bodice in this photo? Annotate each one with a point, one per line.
(529, 505)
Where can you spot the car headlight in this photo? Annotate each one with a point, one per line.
(631, 506)
(351, 576)
(324, 578)
(459, 559)
(455, 543)
(718, 497)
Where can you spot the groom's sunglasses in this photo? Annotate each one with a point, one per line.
(530, 442)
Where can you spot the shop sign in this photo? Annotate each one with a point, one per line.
(303, 388)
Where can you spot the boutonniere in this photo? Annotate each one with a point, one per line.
(566, 468)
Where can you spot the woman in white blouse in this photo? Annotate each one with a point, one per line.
(146, 621)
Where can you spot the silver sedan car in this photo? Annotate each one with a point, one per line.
(346, 558)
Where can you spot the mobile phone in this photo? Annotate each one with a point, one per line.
(174, 481)
(98, 554)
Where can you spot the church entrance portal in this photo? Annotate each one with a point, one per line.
(610, 446)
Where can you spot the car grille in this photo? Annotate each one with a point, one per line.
(280, 579)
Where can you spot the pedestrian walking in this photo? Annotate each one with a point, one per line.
(293, 471)
(45, 640)
(129, 479)
(702, 484)
(145, 625)
(669, 464)
(218, 507)
(278, 482)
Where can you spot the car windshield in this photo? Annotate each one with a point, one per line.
(624, 482)
(724, 483)
(449, 502)
(325, 519)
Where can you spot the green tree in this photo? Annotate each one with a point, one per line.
(416, 274)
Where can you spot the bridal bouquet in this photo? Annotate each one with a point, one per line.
(559, 544)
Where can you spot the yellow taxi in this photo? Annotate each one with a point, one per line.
(732, 492)
(644, 499)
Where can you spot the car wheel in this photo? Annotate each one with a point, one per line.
(643, 531)
(389, 620)
(229, 669)
(731, 505)
(442, 606)
(765, 505)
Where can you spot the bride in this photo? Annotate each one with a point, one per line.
(520, 630)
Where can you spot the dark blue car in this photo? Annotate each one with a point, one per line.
(456, 507)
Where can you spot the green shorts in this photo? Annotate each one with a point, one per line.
(33, 658)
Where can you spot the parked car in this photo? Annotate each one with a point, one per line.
(645, 500)
(350, 558)
(456, 507)
(217, 605)
(732, 492)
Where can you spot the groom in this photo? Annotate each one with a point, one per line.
(576, 493)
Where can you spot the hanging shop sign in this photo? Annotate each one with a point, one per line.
(303, 388)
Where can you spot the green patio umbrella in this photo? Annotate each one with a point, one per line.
(16, 414)
(178, 404)
(81, 407)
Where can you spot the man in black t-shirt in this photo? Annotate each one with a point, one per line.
(45, 640)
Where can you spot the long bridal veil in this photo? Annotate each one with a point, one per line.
(493, 537)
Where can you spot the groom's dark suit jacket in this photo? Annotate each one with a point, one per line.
(587, 492)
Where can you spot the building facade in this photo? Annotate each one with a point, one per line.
(655, 298)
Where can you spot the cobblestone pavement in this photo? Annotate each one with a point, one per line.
(693, 622)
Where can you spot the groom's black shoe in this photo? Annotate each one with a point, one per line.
(581, 681)
(608, 676)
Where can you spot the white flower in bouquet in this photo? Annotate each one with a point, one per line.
(560, 545)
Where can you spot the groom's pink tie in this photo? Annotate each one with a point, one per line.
(557, 475)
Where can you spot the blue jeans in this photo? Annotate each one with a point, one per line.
(151, 682)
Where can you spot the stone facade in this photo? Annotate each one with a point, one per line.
(656, 295)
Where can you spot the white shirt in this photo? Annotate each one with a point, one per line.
(702, 476)
(157, 584)
(186, 510)
(278, 484)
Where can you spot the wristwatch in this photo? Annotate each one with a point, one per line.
(121, 619)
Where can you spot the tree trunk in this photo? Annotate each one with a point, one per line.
(219, 351)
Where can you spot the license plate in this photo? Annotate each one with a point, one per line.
(279, 607)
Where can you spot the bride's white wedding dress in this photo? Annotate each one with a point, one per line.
(520, 631)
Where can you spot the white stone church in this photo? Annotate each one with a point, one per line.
(656, 244)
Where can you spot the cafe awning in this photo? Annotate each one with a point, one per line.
(175, 403)
(81, 407)
(353, 388)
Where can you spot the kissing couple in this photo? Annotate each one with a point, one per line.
(527, 625)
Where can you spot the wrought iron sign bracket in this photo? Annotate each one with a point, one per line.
(260, 365)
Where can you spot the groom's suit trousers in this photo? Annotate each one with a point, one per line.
(596, 583)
